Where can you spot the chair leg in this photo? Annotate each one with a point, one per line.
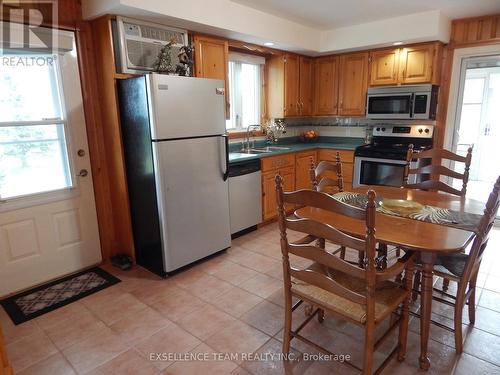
(321, 315)
(342, 252)
(403, 329)
(369, 349)
(361, 259)
(416, 285)
(459, 306)
(472, 299)
(446, 284)
(288, 323)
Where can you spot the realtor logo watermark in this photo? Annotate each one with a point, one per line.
(21, 27)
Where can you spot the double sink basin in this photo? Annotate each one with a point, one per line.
(263, 150)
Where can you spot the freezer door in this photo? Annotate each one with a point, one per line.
(183, 107)
(193, 199)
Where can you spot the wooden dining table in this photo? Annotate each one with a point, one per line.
(427, 238)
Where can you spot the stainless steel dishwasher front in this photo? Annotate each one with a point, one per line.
(245, 196)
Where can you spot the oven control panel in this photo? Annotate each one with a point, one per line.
(414, 131)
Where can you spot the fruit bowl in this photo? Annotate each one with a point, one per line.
(308, 136)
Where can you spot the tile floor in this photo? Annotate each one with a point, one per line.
(229, 304)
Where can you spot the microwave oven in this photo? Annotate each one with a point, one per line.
(402, 102)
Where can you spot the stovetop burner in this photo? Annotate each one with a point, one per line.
(390, 144)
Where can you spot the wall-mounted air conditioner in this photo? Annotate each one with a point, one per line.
(138, 43)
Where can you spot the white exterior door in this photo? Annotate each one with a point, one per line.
(48, 222)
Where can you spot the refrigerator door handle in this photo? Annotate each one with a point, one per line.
(226, 151)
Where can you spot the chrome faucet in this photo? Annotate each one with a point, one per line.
(247, 147)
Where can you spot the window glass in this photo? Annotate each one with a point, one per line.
(245, 95)
(28, 88)
(33, 150)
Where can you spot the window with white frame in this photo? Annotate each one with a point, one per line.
(245, 88)
(33, 150)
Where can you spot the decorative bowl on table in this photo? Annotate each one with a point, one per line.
(308, 136)
(401, 206)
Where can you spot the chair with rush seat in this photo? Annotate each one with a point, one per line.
(464, 268)
(435, 171)
(320, 179)
(363, 296)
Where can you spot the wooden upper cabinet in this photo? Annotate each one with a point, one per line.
(353, 84)
(416, 63)
(409, 65)
(305, 86)
(289, 85)
(211, 57)
(292, 87)
(326, 86)
(384, 67)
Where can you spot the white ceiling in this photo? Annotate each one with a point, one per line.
(329, 14)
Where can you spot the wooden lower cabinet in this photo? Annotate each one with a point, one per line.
(269, 205)
(5, 368)
(302, 166)
(346, 158)
(294, 168)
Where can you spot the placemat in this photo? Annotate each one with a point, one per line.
(430, 214)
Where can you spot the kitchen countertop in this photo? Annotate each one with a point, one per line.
(338, 143)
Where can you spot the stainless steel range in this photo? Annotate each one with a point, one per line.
(382, 162)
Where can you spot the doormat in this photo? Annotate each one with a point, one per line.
(45, 298)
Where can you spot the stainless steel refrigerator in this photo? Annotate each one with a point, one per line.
(176, 157)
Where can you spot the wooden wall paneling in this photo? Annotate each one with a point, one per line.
(95, 135)
(68, 13)
(107, 99)
(475, 30)
(446, 63)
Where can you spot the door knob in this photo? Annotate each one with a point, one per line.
(83, 173)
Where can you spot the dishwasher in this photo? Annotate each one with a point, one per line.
(245, 196)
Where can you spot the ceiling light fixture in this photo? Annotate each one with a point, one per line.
(397, 43)
(269, 44)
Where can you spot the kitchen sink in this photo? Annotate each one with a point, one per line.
(254, 151)
(272, 148)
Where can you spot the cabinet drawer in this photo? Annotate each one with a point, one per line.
(346, 156)
(276, 162)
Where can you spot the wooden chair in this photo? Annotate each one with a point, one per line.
(320, 180)
(464, 268)
(435, 170)
(365, 297)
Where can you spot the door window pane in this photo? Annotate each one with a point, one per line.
(33, 160)
(28, 88)
(33, 151)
